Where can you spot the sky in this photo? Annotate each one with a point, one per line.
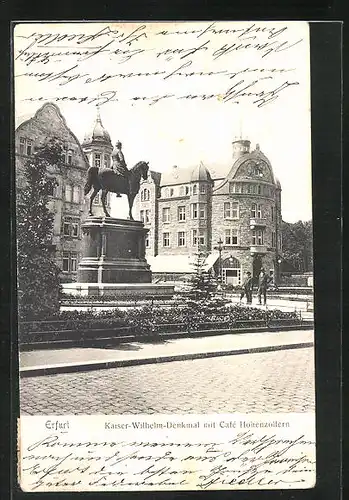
(174, 130)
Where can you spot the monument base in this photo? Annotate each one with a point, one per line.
(113, 252)
(119, 291)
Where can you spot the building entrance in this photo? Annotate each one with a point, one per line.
(257, 266)
(231, 271)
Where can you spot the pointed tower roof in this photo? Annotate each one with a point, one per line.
(97, 133)
(200, 173)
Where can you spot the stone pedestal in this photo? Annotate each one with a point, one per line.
(113, 252)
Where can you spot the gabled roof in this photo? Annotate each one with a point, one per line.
(56, 109)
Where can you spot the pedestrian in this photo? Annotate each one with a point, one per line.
(247, 288)
(263, 282)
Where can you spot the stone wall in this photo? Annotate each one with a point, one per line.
(48, 123)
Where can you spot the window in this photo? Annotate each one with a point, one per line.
(259, 211)
(194, 210)
(235, 210)
(70, 157)
(75, 229)
(69, 262)
(235, 187)
(141, 214)
(70, 228)
(76, 194)
(259, 189)
(73, 263)
(147, 218)
(202, 188)
(106, 161)
(202, 211)
(272, 214)
(145, 194)
(166, 239)
(187, 190)
(231, 237)
(226, 210)
(166, 214)
(68, 192)
(181, 214)
(97, 160)
(181, 191)
(253, 189)
(29, 147)
(66, 228)
(198, 237)
(181, 239)
(253, 211)
(171, 192)
(231, 210)
(273, 239)
(66, 262)
(22, 142)
(195, 189)
(147, 241)
(257, 237)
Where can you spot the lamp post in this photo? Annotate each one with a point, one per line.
(220, 248)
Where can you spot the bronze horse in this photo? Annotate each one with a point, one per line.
(106, 179)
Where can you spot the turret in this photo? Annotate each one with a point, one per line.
(240, 148)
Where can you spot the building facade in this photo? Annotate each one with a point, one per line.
(67, 200)
(230, 213)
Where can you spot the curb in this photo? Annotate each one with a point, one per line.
(100, 365)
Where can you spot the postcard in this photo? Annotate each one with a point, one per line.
(164, 256)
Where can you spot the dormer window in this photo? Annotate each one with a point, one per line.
(195, 189)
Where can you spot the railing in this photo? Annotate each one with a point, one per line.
(85, 334)
(258, 248)
(257, 222)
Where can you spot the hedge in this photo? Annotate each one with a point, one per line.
(149, 319)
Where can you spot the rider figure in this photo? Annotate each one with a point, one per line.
(119, 164)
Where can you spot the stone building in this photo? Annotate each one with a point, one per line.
(67, 200)
(230, 213)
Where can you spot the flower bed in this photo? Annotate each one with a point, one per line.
(149, 321)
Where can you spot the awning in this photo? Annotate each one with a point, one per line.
(179, 263)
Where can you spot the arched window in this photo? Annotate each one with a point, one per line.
(145, 194)
(51, 186)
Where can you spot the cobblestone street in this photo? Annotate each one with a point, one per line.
(280, 381)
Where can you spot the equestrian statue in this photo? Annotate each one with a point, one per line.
(117, 179)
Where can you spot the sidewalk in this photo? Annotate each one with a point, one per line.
(45, 362)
